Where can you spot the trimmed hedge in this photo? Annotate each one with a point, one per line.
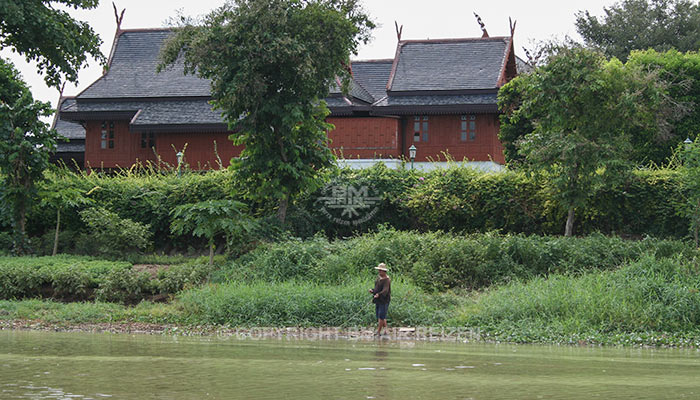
(84, 278)
(452, 199)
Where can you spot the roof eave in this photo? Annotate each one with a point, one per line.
(180, 128)
(436, 109)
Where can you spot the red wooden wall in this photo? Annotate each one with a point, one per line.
(353, 137)
(365, 137)
(444, 135)
(200, 153)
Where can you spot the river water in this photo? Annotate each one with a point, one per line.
(41, 365)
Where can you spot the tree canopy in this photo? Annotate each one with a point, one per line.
(271, 62)
(49, 36)
(579, 109)
(642, 24)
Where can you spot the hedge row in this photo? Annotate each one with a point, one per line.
(439, 261)
(452, 199)
(83, 278)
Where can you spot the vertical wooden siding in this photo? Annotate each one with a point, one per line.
(444, 136)
(365, 137)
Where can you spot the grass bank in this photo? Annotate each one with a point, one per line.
(651, 301)
(510, 288)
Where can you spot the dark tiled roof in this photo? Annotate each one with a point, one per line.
(373, 75)
(456, 64)
(132, 72)
(439, 103)
(146, 113)
(67, 129)
(437, 100)
(74, 146)
(356, 91)
(186, 112)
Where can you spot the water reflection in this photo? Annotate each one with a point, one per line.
(36, 365)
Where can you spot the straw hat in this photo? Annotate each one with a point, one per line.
(381, 267)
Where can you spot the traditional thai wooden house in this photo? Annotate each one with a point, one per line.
(437, 95)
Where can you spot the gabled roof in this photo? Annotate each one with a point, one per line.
(132, 70)
(449, 64)
(449, 75)
(373, 75)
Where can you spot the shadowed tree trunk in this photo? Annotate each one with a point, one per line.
(569, 230)
(55, 237)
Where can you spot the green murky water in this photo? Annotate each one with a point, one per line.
(37, 365)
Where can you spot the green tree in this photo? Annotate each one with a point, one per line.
(210, 219)
(59, 194)
(271, 62)
(51, 37)
(25, 144)
(642, 24)
(690, 175)
(682, 73)
(582, 109)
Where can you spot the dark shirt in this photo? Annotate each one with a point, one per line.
(383, 288)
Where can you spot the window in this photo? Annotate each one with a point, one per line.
(148, 140)
(107, 137)
(420, 126)
(468, 128)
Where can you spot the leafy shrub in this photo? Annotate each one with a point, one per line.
(125, 285)
(112, 235)
(182, 276)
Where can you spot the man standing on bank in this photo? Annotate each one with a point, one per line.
(382, 296)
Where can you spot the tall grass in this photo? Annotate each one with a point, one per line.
(650, 294)
(439, 261)
(310, 304)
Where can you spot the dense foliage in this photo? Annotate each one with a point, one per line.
(582, 110)
(642, 24)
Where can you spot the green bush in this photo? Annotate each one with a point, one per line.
(125, 285)
(438, 261)
(111, 235)
(182, 276)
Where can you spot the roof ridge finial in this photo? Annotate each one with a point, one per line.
(118, 17)
(399, 30)
(512, 26)
(482, 25)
